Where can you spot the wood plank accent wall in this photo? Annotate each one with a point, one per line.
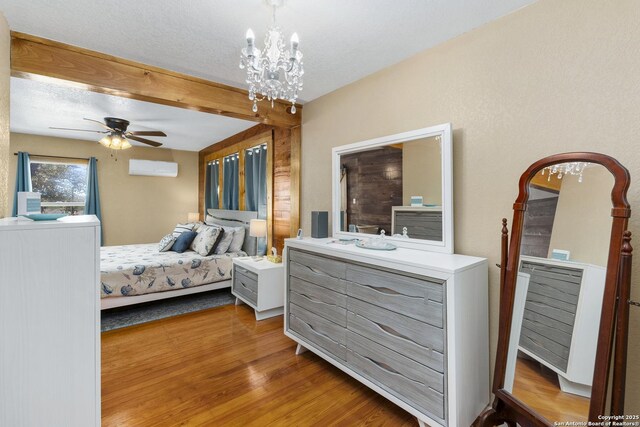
(284, 180)
(33, 56)
(374, 180)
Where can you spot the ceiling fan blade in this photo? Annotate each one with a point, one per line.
(81, 130)
(144, 141)
(147, 133)
(99, 122)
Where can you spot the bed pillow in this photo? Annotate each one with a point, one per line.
(181, 228)
(206, 240)
(196, 225)
(166, 243)
(238, 239)
(183, 241)
(226, 240)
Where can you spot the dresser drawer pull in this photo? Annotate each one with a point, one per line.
(321, 334)
(389, 369)
(246, 287)
(387, 291)
(316, 271)
(316, 300)
(389, 330)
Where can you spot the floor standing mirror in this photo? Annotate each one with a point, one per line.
(565, 279)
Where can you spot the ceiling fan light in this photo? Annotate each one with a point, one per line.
(125, 144)
(116, 142)
(106, 141)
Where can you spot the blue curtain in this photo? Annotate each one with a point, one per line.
(23, 179)
(92, 200)
(255, 173)
(230, 187)
(211, 186)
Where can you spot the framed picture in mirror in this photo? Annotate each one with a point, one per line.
(565, 279)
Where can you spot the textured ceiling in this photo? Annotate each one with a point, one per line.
(342, 40)
(35, 106)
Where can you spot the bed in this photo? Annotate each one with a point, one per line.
(133, 274)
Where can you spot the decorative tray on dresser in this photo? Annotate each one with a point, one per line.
(411, 325)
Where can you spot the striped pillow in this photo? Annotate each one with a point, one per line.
(181, 228)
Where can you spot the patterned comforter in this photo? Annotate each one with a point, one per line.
(141, 269)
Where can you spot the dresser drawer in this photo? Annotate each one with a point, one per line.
(552, 332)
(321, 301)
(316, 329)
(249, 274)
(415, 384)
(550, 351)
(420, 299)
(419, 224)
(418, 341)
(555, 314)
(246, 287)
(327, 272)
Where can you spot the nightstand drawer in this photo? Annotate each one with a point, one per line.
(249, 274)
(246, 287)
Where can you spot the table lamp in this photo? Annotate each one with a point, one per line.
(258, 229)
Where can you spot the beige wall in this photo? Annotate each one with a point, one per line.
(135, 209)
(553, 77)
(422, 171)
(582, 223)
(5, 70)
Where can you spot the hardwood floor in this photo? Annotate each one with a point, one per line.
(539, 388)
(220, 367)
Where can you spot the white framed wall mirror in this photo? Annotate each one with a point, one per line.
(401, 184)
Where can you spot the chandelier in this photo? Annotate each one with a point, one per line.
(572, 168)
(273, 73)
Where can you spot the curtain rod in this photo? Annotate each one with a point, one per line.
(58, 157)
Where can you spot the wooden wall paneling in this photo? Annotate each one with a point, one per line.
(374, 180)
(36, 57)
(270, 235)
(294, 180)
(282, 186)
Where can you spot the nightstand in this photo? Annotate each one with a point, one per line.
(260, 285)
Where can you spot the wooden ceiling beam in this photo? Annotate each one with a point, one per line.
(38, 58)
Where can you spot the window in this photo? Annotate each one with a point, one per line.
(63, 186)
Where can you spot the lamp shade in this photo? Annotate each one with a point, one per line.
(193, 217)
(258, 228)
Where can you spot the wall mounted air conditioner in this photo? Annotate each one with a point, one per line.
(152, 168)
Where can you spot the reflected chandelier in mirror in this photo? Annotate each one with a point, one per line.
(562, 274)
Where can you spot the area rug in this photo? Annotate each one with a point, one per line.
(122, 317)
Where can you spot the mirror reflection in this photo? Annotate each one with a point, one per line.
(562, 269)
(395, 188)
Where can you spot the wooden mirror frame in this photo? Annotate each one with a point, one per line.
(507, 408)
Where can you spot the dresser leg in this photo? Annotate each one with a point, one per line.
(300, 349)
(239, 301)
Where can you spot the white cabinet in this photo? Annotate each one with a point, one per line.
(259, 284)
(49, 322)
(412, 325)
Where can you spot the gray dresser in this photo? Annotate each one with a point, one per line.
(389, 326)
(561, 318)
(421, 222)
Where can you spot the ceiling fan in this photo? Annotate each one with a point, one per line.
(116, 134)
